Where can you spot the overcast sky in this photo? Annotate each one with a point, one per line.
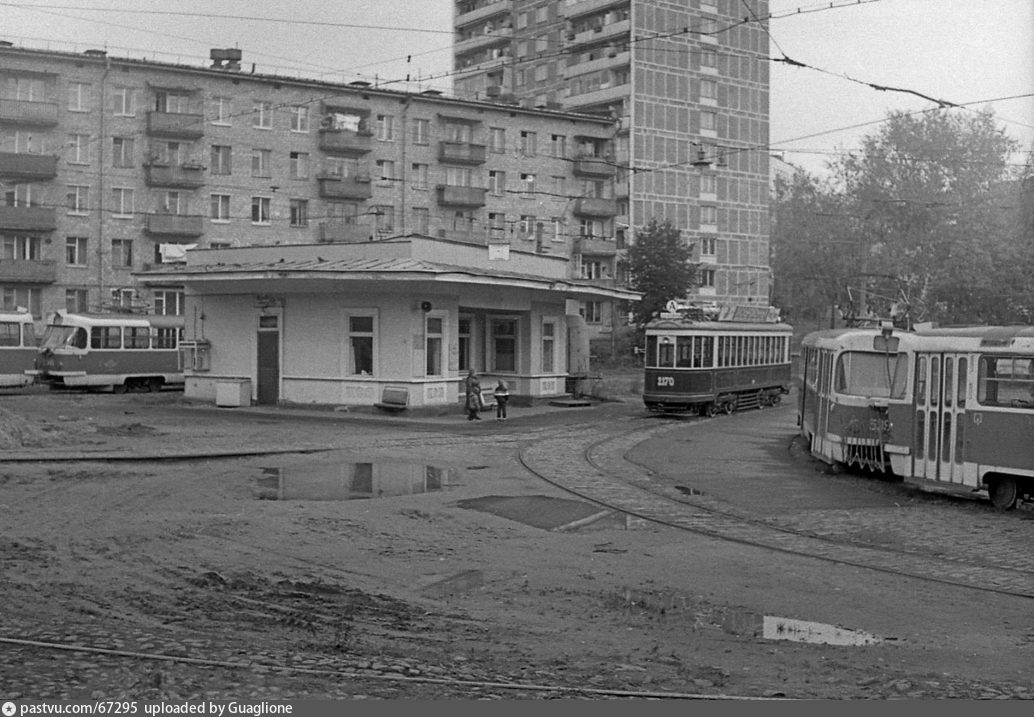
(969, 52)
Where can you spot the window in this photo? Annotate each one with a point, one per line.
(170, 203)
(527, 183)
(708, 122)
(122, 253)
(1004, 381)
(707, 246)
(592, 312)
(459, 176)
(221, 159)
(878, 375)
(548, 346)
(496, 222)
(386, 128)
(708, 215)
(592, 270)
(418, 175)
(260, 161)
(122, 102)
(22, 194)
(299, 212)
(708, 184)
(137, 337)
(166, 153)
(260, 210)
(385, 216)
(526, 224)
(75, 251)
(422, 220)
(78, 148)
(77, 301)
(558, 142)
(709, 59)
(122, 202)
(559, 185)
(497, 139)
(105, 337)
(299, 165)
(300, 118)
(386, 170)
(529, 142)
(21, 248)
(433, 344)
(263, 115)
(78, 97)
(11, 297)
(171, 102)
(421, 131)
(590, 228)
(360, 345)
(121, 152)
(457, 132)
(496, 182)
(168, 302)
(222, 110)
(503, 342)
(220, 208)
(708, 90)
(707, 279)
(78, 199)
(558, 228)
(463, 342)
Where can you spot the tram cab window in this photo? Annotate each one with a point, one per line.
(684, 355)
(666, 352)
(10, 333)
(1006, 381)
(873, 375)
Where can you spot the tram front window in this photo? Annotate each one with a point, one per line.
(874, 375)
(57, 337)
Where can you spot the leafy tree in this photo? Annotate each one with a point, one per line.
(660, 267)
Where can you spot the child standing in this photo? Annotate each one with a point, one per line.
(502, 395)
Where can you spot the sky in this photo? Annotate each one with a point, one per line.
(975, 53)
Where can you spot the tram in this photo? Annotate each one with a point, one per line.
(121, 352)
(951, 406)
(736, 359)
(17, 348)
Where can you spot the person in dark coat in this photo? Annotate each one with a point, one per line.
(473, 402)
(502, 396)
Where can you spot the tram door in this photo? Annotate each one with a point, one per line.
(268, 389)
(940, 396)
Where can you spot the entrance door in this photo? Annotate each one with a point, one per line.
(940, 408)
(268, 360)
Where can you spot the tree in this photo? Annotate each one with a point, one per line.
(660, 268)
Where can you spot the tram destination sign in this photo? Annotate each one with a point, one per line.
(750, 314)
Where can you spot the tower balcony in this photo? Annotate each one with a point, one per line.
(176, 125)
(344, 141)
(587, 7)
(478, 42)
(590, 166)
(593, 207)
(184, 225)
(449, 195)
(28, 166)
(182, 176)
(486, 11)
(334, 186)
(30, 219)
(43, 114)
(461, 152)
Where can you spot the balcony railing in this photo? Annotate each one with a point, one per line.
(344, 231)
(28, 112)
(28, 166)
(595, 246)
(185, 176)
(28, 271)
(592, 207)
(338, 187)
(590, 166)
(184, 225)
(461, 152)
(343, 141)
(33, 219)
(172, 124)
(585, 7)
(487, 10)
(453, 196)
(496, 37)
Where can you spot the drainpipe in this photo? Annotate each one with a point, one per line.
(401, 182)
(100, 186)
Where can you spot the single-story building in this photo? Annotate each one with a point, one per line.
(340, 323)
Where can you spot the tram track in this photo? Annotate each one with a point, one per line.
(606, 476)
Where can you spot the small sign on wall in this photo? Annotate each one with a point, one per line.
(499, 252)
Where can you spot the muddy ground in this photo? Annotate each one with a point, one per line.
(258, 578)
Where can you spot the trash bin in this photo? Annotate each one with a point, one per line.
(233, 392)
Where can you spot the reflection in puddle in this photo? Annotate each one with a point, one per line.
(769, 627)
(352, 481)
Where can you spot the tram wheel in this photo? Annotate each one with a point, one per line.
(729, 407)
(154, 385)
(1003, 492)
(774, 399)
(712, 410)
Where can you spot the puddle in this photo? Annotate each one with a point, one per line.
(689, 491)
(769, 627)
(353, 481)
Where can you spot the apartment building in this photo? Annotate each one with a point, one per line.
(111, 167)
(686, 80)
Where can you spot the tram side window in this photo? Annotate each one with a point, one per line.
(651, 351)
(684, 356)
(703, 356)
(105, 337)
(164, 338)
(1006, 381)
(860, 373)
(138, 337)
(10, 333)
(811, 367)
(666, 353)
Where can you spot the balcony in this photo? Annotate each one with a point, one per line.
(344, 231)
(43, 114)
(587, 7)
(19, 271)
(489, 9)
(461, 152)
(592, 207)
(452, 196)
(608, 62)
(589, 166)
(182, 176)
(176, 125)
(615, 31)
(604, 95)
(184, 225)
(344, 141)
(339, 187)
(479, 42)
(595, 246)
(30, 219)
(28, 166)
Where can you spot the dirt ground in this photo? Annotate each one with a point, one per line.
(257, 578)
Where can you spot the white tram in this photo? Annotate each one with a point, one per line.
(17, 349)
(739, 359)
(953, 406)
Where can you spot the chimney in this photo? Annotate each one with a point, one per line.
(225, 59)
